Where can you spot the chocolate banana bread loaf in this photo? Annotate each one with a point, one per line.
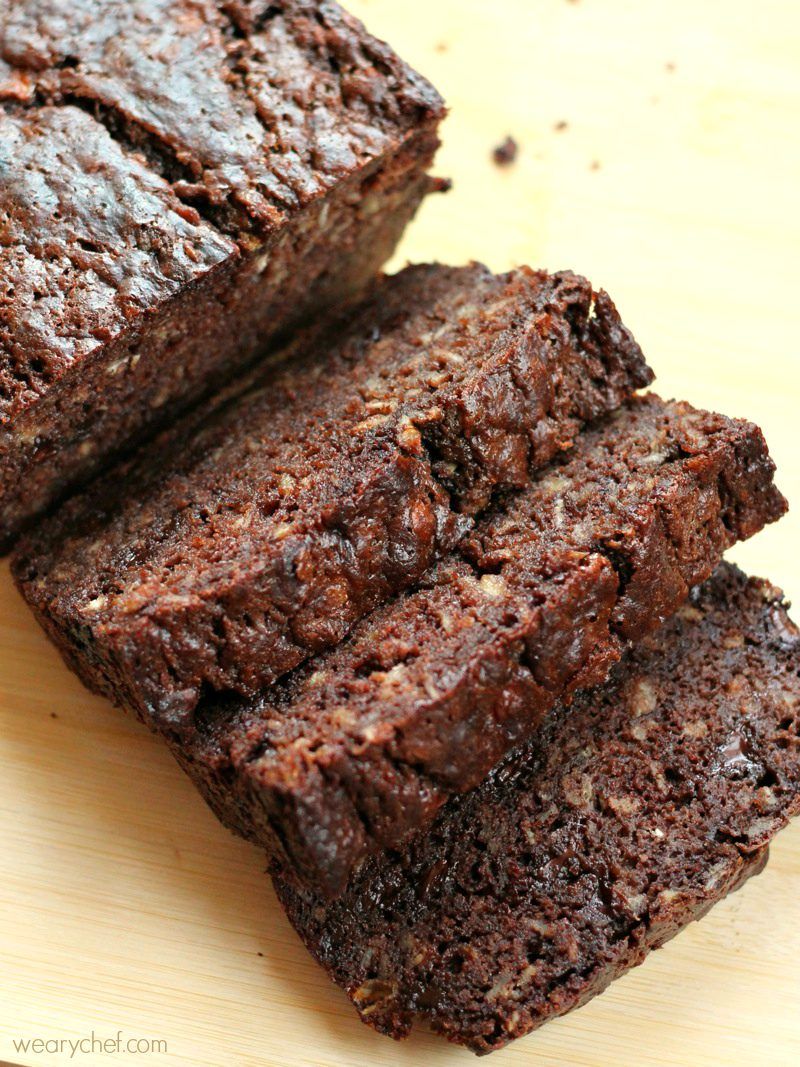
(630, 814)
(239, 543)
(180, 182)
(361, 746)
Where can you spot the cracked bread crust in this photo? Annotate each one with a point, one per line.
(339, 475)
(361, 747)
(181, 184)
(631, 813)
(250, 109)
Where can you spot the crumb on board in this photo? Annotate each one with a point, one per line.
(53, 715)
(506, 152)
(561, 125)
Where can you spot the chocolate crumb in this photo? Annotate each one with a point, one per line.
(506, 153)
(53, 715)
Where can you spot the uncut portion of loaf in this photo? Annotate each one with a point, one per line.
(361, 746)
(631, 814)
(181, 181)
(240, 543)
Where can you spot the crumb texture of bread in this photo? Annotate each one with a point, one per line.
(255, 533)
(181, 183)
(629, 815)
(361, 746)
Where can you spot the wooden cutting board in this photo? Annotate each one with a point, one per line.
(674, 184)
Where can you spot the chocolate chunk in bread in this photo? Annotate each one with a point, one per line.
(631, 813)
(181, 182)
(256, 532)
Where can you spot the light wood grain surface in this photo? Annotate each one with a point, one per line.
(123, 905)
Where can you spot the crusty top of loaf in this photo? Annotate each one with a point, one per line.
(142, 143)
(253, 108)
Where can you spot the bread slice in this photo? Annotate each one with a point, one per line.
(630, 814)
(256, 532)
(360, 747)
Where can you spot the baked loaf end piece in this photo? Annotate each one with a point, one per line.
(181, 181)
(361, 746)
(236, 545)
(630, 815)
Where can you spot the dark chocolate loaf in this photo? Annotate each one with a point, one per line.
(181, 181)
(360, 747)
(238, 544)
(630, 815)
